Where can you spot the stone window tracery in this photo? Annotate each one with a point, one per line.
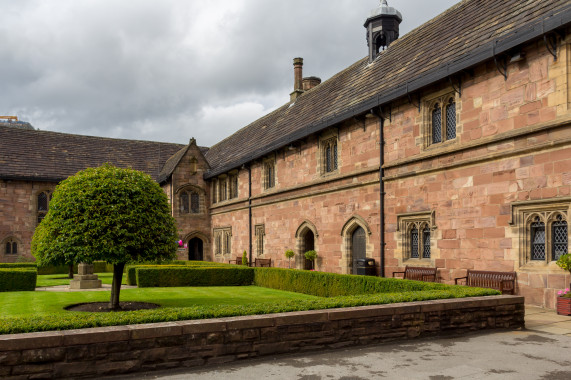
(542, 229)
(10, 246)
(191, 201)
(269, 173)
(260, 233)
(222, 240)
(329, 155)
(441, 120)
(416, 235)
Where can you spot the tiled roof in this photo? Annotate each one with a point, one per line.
(466, 34)
(52, 156)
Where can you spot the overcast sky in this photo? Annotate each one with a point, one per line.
(168, 70)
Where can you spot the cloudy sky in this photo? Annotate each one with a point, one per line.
(168, 70)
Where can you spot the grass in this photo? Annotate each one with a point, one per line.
(25, 304)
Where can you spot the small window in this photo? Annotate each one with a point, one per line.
(222, 240)
(10, 246)
(189, 202)
(43, 205)
(260, 232)
(426, 242)
(223, 186)
(194, 202)
(329, 154)
(233, 186)
(414, 243)
(451, 120)
(560, 238)
(269, 175)
(538, 240)
(441, 120)
(436, 124)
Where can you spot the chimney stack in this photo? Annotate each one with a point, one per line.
(310, 82)
(298, 78)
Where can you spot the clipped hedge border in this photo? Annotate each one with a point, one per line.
(17, 265)
(323, 284)
(180, 276)
(18, 279)
(132, 274)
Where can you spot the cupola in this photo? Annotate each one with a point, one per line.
(382, 28)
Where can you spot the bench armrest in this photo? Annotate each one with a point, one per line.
(398, 273)
(510, 288)
(460, 278)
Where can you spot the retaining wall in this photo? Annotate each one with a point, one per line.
(123, 349)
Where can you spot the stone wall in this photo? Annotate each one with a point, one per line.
(18, 211)
(334, 204)
(142, 348)
(512, 150)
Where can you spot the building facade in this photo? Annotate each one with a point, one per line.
(452, 152)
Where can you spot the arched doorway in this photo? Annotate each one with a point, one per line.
(195, 249)
(308, 245)
(358, 246)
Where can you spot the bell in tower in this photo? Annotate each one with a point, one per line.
(382, 28)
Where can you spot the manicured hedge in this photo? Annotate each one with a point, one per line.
(60, 269)
(77, 320)
(17, 279)
(323, 284)
(132, 274)
(17, 265)
(178, 276)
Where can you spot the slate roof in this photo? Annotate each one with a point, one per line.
(467, 34)
(52, 156)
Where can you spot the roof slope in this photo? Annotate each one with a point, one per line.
(464, 35)
(52, 156)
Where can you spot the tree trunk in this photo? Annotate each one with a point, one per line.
(116, 286)
(70, 271)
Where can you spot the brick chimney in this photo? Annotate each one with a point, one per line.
(298, 78)
(310, 82)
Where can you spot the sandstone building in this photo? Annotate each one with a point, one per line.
(448, 147)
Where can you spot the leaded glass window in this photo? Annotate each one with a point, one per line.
(335, 156)
(184, 203)
(234, 186)
(328, 160)
(223, 190)
(414, 243)
(42, 202)
(194, 202)
(538, 240)
(218, 244)
(426, 243)
(14, 248)
(560, 238)
(8, 248)
(436, 124)
(451, 120)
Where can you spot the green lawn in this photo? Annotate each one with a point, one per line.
(24, 304)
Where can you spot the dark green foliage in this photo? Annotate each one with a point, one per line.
(110, 214)
(323, 284)
(178, 276)
(244, 258)
(18, 279)
(131, 270)
(17, 265)
(56, 269)
(85, 320)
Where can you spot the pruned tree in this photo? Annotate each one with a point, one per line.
(115, 215)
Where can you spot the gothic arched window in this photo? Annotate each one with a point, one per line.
(189, 202)
(436, 124)
(451, 120)
(537, 239)
(559, 238)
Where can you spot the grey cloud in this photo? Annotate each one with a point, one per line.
(168, 70)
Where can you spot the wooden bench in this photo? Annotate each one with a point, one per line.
(502, 281)
(427, 274)
(237, 261)
(263, 263)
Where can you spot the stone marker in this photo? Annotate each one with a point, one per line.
(85, 279)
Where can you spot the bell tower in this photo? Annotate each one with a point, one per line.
(382, 28)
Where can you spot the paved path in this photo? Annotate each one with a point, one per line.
(542, 351)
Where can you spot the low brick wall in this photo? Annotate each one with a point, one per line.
(123, 349)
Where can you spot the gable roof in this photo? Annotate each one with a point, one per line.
(174, 160)
(467, 34)
(52, 156)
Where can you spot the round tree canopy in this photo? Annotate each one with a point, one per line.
(106, 213)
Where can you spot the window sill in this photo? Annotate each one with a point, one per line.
(419, 262)
(541, 266)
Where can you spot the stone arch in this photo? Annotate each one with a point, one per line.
(355, 222)
(206, 244)
(306, 234)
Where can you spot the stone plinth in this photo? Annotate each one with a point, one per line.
(85, 279)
